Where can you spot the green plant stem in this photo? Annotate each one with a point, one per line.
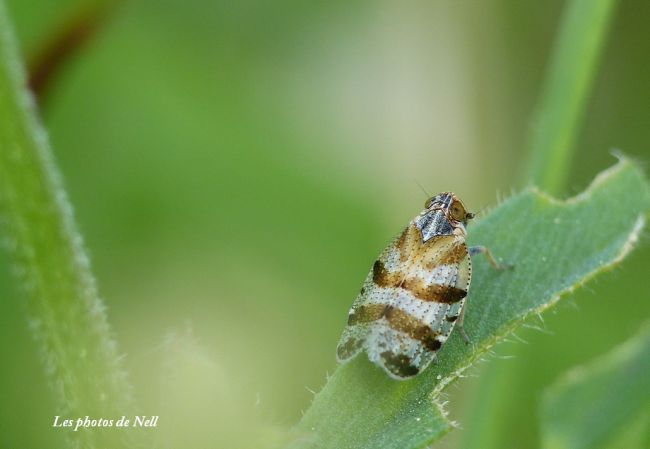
(551, 143)
(66, 316)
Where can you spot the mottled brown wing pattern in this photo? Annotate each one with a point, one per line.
(411, 298)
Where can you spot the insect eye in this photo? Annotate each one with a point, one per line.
(458, 212)
(428, 202)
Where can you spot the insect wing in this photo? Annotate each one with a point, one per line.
(409, 302)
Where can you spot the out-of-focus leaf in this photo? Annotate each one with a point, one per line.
(603, 404)
(555, 246)
(568, 83)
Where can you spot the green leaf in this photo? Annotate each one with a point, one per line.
(555, 247)
(567, 85)
(603, 404)
(551, 144)
(67, 317)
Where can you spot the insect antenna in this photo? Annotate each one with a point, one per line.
(422, 188)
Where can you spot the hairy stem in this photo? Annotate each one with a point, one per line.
(66, 316)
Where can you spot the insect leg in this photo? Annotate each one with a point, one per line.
(474, 250)
(459, 322)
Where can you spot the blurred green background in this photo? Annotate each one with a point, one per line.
(235, 167)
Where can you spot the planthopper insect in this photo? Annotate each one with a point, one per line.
(415, 292)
